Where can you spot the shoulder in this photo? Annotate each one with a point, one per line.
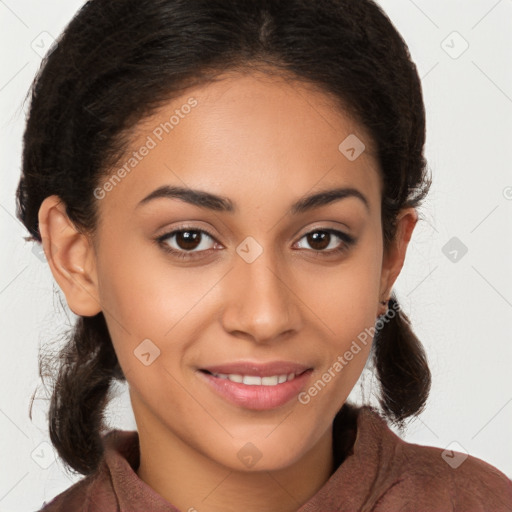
(418, 477)
(90, 494)
(95, 492)
(73, 498)
(444, 477)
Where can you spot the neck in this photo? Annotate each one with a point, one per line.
(192, 482)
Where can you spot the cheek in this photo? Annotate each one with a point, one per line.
(346, 301)
(145, 297)
(139, 286)
(345, 296)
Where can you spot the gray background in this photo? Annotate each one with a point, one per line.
(460, 304)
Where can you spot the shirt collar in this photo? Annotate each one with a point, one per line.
(348, 488)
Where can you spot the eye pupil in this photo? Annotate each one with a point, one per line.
(319, 236)
(188, 239)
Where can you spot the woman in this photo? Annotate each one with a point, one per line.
(225, 193)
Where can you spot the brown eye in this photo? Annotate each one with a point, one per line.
(328, 241)
(186, 242)
(319, 240)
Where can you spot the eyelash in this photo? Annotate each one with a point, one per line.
(347, 242)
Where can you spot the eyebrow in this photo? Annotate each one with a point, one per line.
(217, 203)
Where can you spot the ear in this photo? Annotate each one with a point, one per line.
(71, 257)
(393, 259)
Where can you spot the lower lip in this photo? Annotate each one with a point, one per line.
(258, 398)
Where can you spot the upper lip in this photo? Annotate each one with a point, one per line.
(258, 369)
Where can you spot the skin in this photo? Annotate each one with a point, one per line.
(264, 143)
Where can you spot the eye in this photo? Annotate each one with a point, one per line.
(185, 242)
(324, 241)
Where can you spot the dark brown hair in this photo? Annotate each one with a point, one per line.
(119, 60)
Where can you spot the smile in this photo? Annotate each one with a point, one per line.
(254, 380)
(274, 385)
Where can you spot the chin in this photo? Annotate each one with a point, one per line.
(272, 450)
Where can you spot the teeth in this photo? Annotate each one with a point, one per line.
(253, 380)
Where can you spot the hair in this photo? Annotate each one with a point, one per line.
(117, 61)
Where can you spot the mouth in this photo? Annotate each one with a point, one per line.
(254, 386)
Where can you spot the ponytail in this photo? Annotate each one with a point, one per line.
(88, 366)
(400, 365)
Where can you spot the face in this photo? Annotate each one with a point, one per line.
(237, 305)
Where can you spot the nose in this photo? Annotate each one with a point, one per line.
(261, 304)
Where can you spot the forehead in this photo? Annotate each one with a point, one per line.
(245, 135)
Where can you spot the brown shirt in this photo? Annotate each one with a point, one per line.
(375, 471)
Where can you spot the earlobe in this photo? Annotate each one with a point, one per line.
(71, 257)
(393, 259)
